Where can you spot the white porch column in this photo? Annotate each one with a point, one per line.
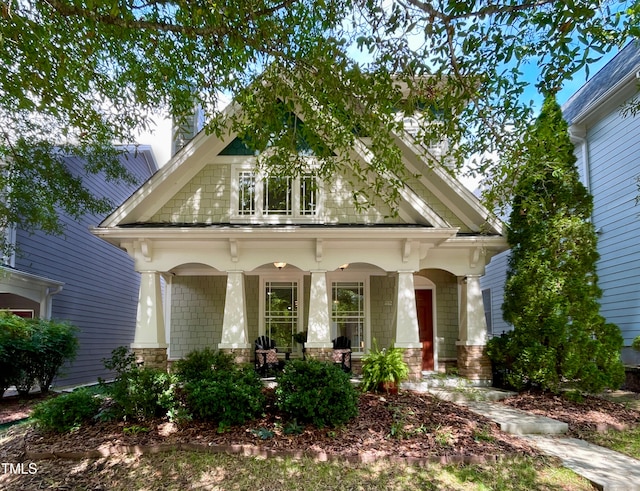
(150, 331)
(234, 323)
(473, 324)
(319, 328)
(473, 362)
(407, 330)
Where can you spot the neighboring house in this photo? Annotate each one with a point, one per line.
(78, 278)
(227, 254)
(607, 145)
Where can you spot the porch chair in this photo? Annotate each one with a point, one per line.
(342, 352)
(266, 355)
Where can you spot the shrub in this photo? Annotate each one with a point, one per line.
(228, 396)
(67, 412)
(316, 392)
(381, 366)
(197, 364)
(14, 336)
(139, 393)
(56, 343)
(34, 350)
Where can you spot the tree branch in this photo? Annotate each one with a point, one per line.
(115, 20)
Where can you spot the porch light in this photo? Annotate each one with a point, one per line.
(344, 266)
(280, 265)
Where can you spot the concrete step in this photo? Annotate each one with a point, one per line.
(605, 469)
(518, 422)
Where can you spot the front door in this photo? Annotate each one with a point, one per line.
(424, 308)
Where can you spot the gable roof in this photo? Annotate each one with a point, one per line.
(143, 204)
(612, 85)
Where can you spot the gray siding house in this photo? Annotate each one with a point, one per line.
(78, 278)
(607, 145)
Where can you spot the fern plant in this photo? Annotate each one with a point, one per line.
(383, 366)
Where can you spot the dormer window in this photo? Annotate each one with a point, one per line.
(260, 195)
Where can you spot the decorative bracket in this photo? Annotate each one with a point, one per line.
(475, 256)
(147, 250)
(406, 250)
(233, 250)
(319, 250)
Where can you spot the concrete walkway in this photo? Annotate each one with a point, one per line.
(605, 469)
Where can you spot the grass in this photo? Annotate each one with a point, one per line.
(188, 470)
(626, 441)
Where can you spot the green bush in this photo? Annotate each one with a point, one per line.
(67, 412)
(197, 364)
(316, 392)
(33, 350)
(139, 393)
(228, 396)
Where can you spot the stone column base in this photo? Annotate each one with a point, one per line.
(240, 355)
(474, 364)
(413, 358)
(151, 357)
(320, 354)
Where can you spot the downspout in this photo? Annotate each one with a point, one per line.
(45, 313)
(578, 135)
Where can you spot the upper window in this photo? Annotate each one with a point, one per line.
(278, 196)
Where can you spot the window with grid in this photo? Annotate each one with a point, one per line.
(308, 195)
(277, 196)
(246, 193)
(281, 312)
(348, 313)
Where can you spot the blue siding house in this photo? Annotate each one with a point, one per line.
(79, 278)
(607, 145)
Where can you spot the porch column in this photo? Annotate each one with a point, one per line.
(407, 330)
(149, 343)
(473, 362)
(318, 343)
(234, 322)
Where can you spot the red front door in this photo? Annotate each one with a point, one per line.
(424, 308)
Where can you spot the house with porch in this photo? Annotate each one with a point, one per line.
(227, 253)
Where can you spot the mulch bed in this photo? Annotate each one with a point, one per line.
(14, 408)
(412, 426)
(591, 414)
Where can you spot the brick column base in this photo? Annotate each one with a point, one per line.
(240, 355)
(474, 364)
(413, 358)
(151, 357)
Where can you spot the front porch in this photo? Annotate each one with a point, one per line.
(193, 306)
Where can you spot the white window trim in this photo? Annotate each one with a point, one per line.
(259, 216)
(349, 277)
(262, 301)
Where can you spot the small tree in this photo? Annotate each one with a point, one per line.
(551, 291)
